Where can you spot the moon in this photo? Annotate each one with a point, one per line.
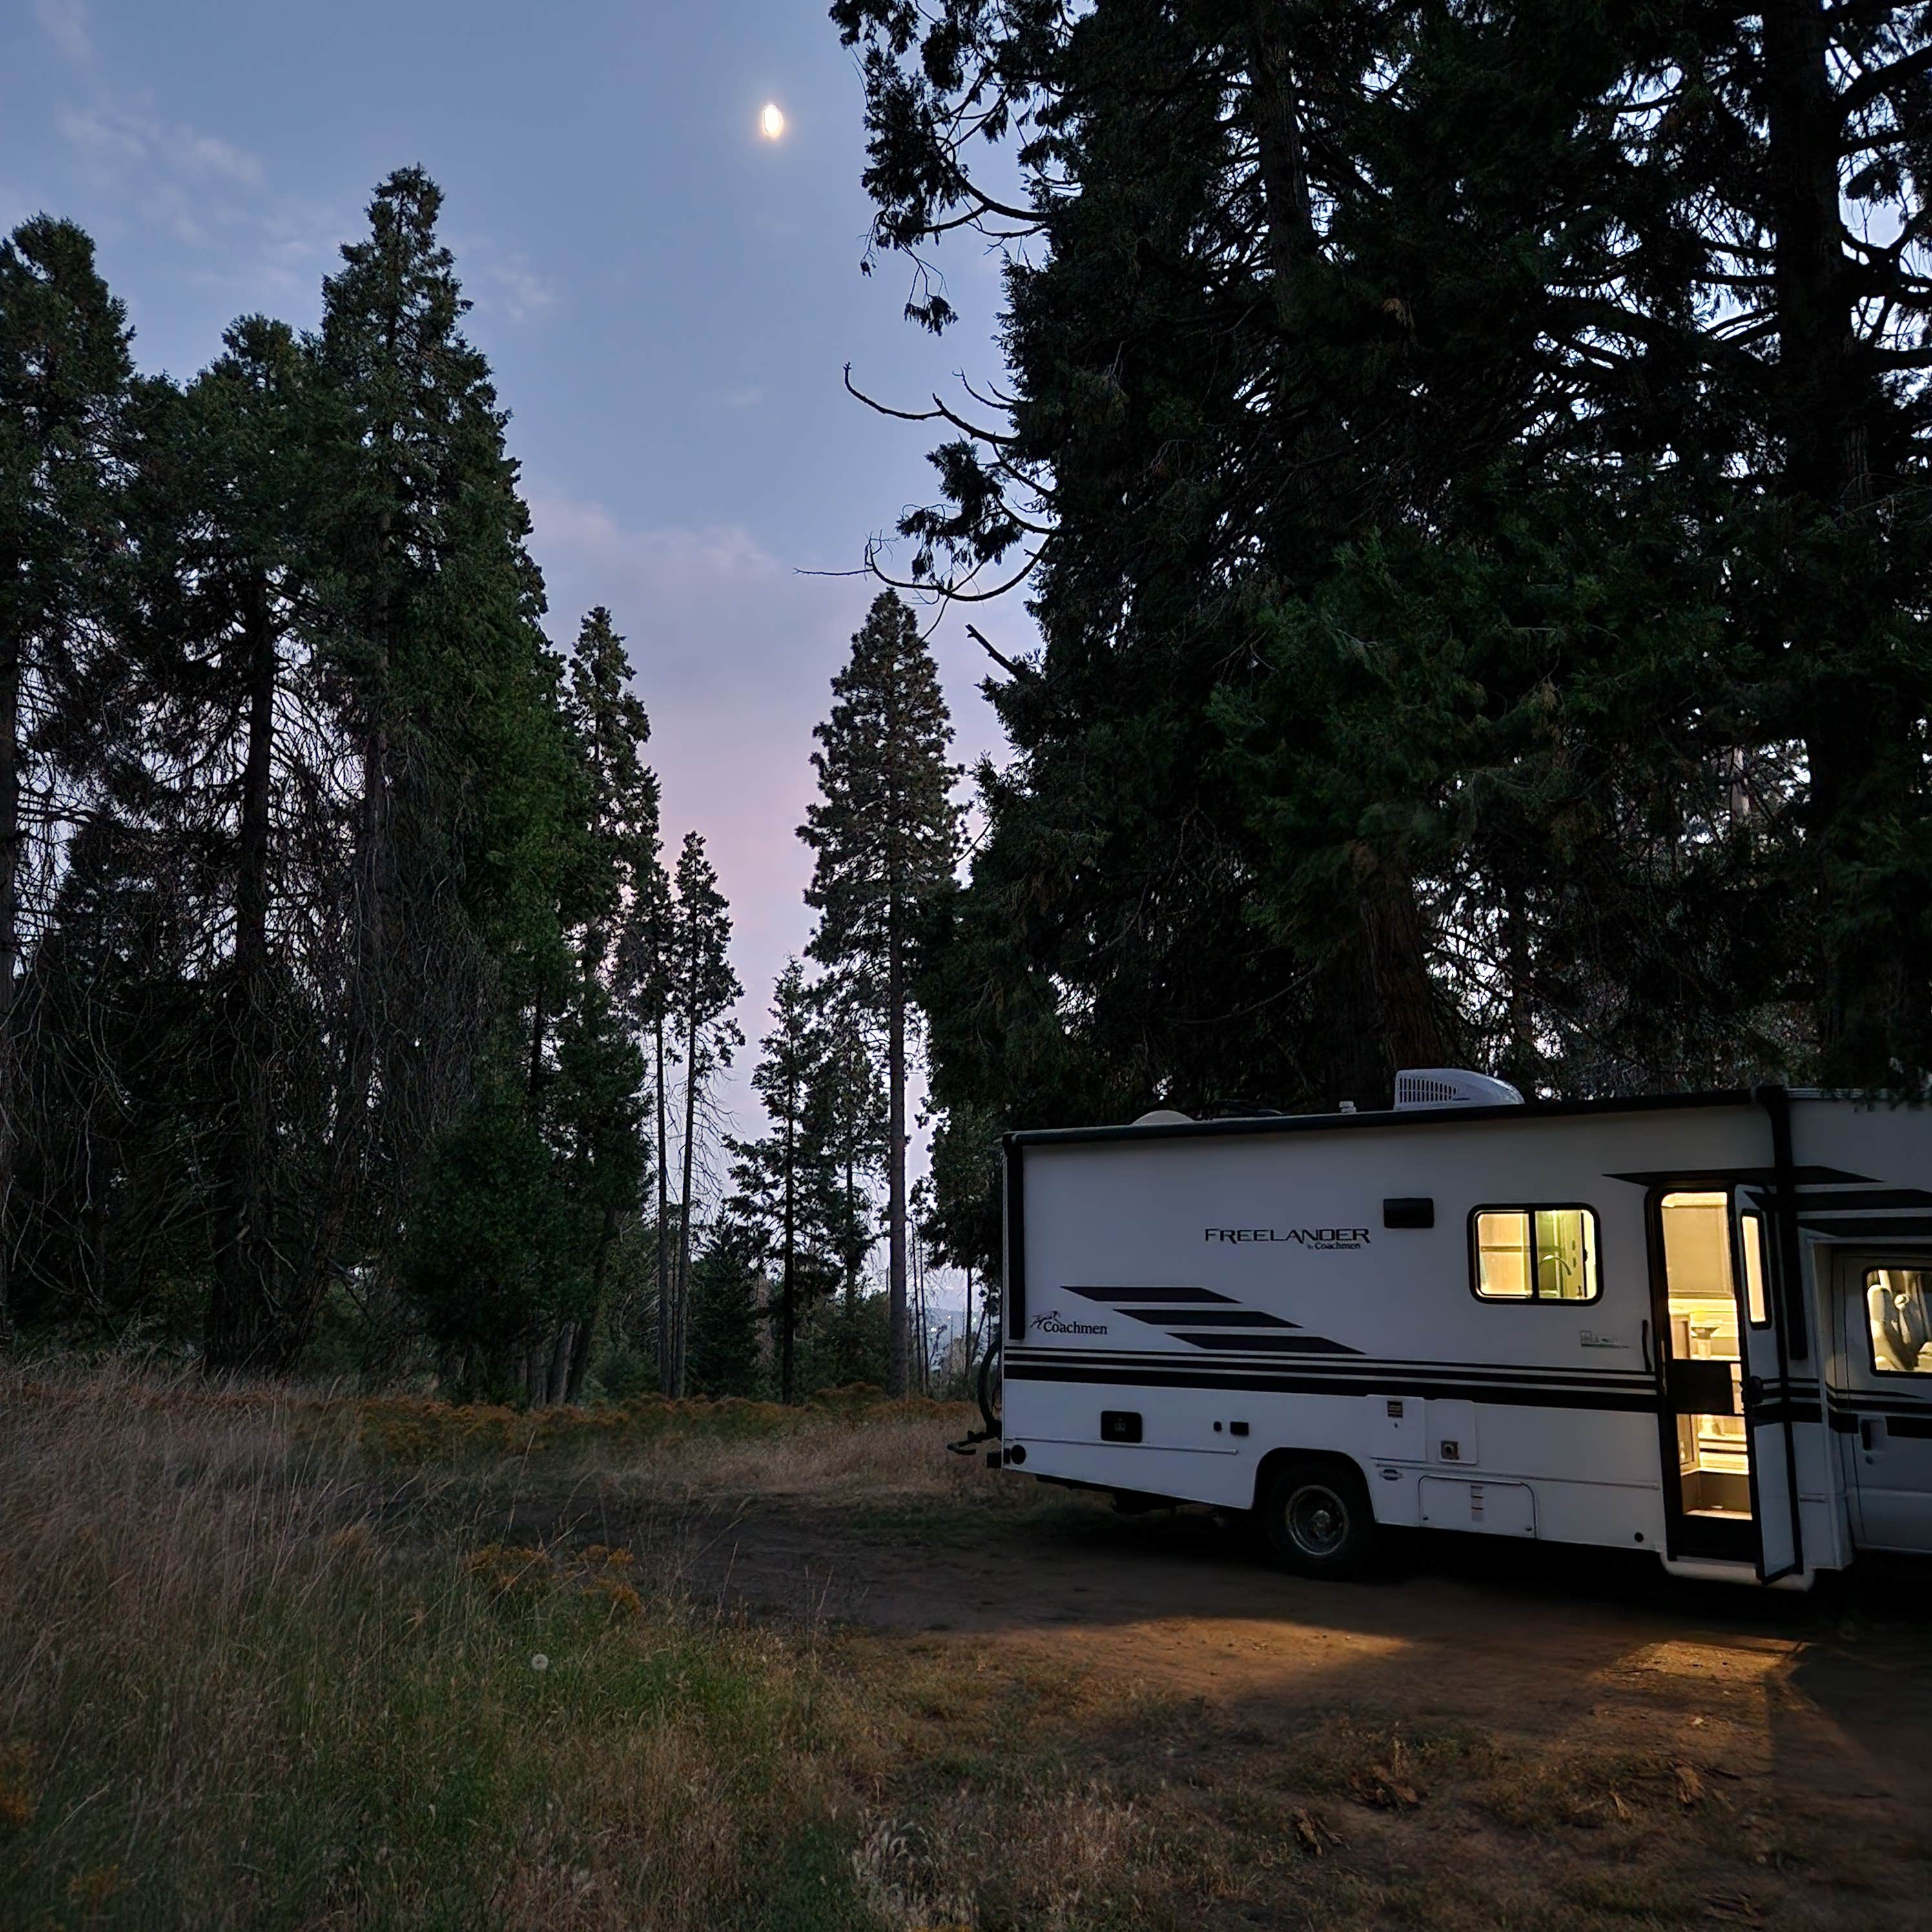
(772, 121)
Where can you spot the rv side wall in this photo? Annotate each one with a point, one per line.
(1238, 1295)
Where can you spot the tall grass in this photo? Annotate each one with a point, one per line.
(277, 1661)
(238, 1688)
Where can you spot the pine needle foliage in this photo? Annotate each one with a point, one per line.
(884, 833)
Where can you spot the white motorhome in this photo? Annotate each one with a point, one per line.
(1699, 1325)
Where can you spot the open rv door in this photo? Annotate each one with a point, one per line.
(1762, 1315)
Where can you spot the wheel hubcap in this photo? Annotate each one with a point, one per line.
(1317, 1521)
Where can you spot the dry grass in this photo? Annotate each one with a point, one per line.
(268, 1661)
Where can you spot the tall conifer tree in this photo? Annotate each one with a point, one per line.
(431, 607)
(885, 833)
(786, 1180)
(702, 989)
(616, 996)
(64, 372)
(224, 723)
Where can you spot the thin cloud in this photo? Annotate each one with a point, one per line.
(173, 174)
(518, 289)
(672, 571)
(65, 23)
(110, 137)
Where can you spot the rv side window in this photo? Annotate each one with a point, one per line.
(1898, 1305)
(1751, 1232)
(1535, 1254)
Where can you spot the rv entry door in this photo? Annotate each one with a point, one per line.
(1767, 1394)
(1885, 1341)
(1725, 1423)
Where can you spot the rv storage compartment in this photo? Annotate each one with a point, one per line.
(1501, 1509)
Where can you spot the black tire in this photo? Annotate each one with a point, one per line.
(1316, 1520)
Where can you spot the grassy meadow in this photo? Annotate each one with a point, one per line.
(280, 1661)
(268, 1661)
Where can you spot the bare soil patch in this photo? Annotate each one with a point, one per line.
(1528, 1735)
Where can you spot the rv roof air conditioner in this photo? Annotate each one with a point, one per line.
(1164, 1117)
(1451, 1086)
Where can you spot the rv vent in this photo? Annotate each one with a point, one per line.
(1164, 1117)
(1451, 1086)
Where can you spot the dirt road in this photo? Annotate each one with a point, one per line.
(1579, 1702)
(1837, 1685)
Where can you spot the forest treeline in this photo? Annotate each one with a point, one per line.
(1469, 467)
(355, 1017)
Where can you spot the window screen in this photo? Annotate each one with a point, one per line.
(1898, 1305)
(1536, 1254)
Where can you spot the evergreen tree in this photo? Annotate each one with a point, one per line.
(598, 1103)
(701, 990)
(787, 1189)
(723, 1356)
(214, 749)
(852, 1104)
(1449, 443)
(884, 832)
(64, 374)
(469, 824)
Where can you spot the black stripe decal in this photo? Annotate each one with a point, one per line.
(1217, 1317)
(1815, 1200)
(1867, 1225)
(1230, 1341)
(1900, 1420)
(1119, 1297)
(1207, 1375)
(1360, 1365)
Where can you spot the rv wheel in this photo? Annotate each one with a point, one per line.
(1317, 1519)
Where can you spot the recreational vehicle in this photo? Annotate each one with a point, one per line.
(1699, 1325)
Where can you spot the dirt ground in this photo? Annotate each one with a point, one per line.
(1799, 1727)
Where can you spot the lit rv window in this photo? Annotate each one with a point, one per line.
(1898, 1305)
(1536, 1254)
(1752, 1229)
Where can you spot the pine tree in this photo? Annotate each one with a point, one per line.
(702, 989)
(219, 759)
(885, 834)
(469, 822)
(723, 1351)
(1473, 462)
(600, 1071)
(853, 1105)
(786, 1181)
(64, 374)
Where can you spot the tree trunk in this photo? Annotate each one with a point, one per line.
(249, 1325)
(1859, 742)
(558, 1378)
(897, 1347)
(683, 1309)
(1520, 1067)
(354, 1125)
(664, 1219)
(1408, 1010)
(11, 840)
(852, 1228)
(587, 1328)
(1279, 147)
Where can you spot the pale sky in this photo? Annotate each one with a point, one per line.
(667, 300)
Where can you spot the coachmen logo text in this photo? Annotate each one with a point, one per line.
(1054, 1323)
(1305, 1237)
